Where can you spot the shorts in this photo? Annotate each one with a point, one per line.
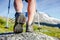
(25, 0)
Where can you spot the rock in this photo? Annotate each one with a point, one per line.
(26, 36)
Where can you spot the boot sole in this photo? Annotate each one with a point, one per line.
(19, 27)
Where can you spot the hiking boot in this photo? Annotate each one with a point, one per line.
(19, 21)
(29, 28)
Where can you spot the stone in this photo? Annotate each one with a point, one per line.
(26, 36)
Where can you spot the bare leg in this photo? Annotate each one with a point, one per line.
(31, 10)
(18, 5)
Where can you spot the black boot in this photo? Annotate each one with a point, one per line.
(29, 28)
(19, 21)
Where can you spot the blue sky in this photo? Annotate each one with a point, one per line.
(51, 7)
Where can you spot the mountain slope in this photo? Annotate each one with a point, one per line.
(43, 17)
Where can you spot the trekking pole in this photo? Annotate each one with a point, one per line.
(7, 19)
(38, 20)
(39, 27)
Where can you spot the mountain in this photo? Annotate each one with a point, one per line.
(43, 17)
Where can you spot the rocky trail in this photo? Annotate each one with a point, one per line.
(25, 36)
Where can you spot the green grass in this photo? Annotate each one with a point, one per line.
(3, 25)
(51, 31)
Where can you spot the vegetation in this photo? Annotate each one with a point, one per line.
(3, 25)
(51, 31)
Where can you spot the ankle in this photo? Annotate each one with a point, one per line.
(17, 14)
(29, 23)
